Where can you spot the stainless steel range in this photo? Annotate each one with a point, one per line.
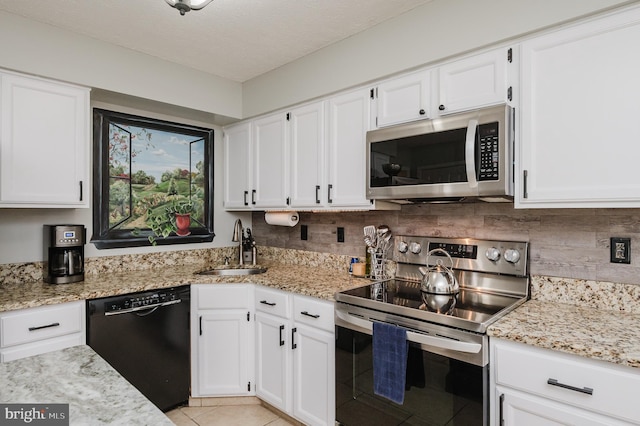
(448, 345)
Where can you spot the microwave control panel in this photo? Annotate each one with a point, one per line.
(489, 152)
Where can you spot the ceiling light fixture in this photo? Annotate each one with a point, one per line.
(186, 5)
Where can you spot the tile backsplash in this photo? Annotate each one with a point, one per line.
(570, 243)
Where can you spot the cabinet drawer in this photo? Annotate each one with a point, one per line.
(34, 324)
(223, 296)
(272, 301)
(315, 312)
(614, 387)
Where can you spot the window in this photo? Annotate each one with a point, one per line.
(152, 181)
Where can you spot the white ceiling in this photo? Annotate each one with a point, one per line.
(234, 39)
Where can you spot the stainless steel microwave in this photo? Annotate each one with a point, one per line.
(462, 156)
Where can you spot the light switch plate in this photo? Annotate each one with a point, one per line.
(620, 250)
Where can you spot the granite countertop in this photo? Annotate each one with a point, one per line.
(601, 334)
(77, 376)
(306, 280)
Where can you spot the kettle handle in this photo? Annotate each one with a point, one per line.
(439, 261)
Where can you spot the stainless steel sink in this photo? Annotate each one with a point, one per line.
(234, 271)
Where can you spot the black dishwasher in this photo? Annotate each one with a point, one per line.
(145, 337)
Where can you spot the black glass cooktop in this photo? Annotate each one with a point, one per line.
(405, 298)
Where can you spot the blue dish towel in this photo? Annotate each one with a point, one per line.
(390, 348)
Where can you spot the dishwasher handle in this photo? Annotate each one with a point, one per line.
(415, 337)
(155, 306)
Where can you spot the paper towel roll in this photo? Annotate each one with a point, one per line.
(282, 218)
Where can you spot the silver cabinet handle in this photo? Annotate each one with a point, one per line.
(554, 382)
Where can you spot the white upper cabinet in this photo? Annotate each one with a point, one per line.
(349, 121)
(237, 166)
(307, 132)
(580, 139)
(474, 81)
(271, 166)
(44, 143)
(403, 99)
(255, 164)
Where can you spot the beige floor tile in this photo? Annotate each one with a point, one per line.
(245, 415)
(180, 418)
(280, 422)
(194, 412)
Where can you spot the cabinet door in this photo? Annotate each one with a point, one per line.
(223, 351)
(44, 143)
(237, 166)
(273, 361)
(349, 117)
(313, 375)
(521, 409)
(404, 99)
(473, 82)
(307, 155)
(270, 160)
(579, 132)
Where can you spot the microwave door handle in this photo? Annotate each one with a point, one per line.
(412, 336)
(470, 153)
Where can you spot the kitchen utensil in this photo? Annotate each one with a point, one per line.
(439, 279)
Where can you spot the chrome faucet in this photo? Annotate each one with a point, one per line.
(238, 237)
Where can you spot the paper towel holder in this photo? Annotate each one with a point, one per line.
(282, 218)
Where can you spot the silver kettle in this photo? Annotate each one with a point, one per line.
(439, 279)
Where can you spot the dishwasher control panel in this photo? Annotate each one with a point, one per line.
(139, 301)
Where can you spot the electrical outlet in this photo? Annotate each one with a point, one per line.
(340, 234)
(620, 250)
(304, 232)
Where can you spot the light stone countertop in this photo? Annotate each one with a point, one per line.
(77, 376)
(306, 280)
(580, 324)
(606, 335)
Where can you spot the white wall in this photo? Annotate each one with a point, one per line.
(44, 50)
(21, 229)
(427, 34)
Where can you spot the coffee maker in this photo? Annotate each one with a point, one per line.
(64, 253)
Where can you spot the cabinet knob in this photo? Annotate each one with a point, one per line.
(441, 108)
(422, 112)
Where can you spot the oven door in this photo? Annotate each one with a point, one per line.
(447, 378)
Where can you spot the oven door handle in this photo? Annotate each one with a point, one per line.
(412, 336)
(470, 153)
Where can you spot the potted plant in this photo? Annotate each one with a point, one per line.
(172, 217)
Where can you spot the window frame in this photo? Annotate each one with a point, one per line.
(105, 238)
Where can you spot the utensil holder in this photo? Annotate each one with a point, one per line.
(378, 266)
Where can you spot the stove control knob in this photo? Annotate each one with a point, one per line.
(403, 247)
(415, 248)
(512, 255)
(493, 254)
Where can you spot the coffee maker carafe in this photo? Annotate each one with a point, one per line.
(64, 253)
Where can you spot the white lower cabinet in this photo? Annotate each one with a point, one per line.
(295, 355)
(532, 386)
(33, 331)
(222, 340)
